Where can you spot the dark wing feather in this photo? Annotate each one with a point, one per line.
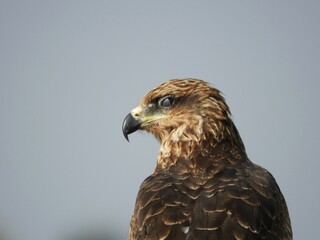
(244, 204)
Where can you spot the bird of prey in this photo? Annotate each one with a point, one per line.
(204, 186)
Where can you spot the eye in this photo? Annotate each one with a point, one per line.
(166, 102)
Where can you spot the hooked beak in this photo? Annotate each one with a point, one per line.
(130, 125)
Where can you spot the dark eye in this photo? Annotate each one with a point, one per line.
(166, 102)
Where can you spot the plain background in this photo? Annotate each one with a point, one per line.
(70, 71)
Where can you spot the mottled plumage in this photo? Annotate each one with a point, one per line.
(203, 186)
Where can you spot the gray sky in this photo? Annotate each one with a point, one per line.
(71, 70)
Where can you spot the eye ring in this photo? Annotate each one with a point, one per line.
(166, 102)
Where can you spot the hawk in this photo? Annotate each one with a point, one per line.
(204, 186)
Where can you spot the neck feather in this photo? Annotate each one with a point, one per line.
(197, 146)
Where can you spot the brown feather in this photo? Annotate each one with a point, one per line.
(204, 186)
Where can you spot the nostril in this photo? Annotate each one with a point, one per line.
(136, 115)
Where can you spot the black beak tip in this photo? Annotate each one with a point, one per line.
(125, 134)
(130, 125)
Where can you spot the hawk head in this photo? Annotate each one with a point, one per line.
(181, 110)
